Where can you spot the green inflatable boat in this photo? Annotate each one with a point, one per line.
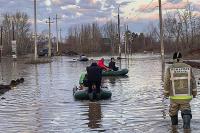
(83, 94)
(121, 72)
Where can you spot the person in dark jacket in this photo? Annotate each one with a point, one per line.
(112, 65)
(94, 76)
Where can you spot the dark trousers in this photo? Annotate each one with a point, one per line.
(91, 84)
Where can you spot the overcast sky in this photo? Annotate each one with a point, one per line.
(137, 13)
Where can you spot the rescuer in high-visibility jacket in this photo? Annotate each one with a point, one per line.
(180, 87)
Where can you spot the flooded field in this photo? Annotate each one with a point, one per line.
(44, 102)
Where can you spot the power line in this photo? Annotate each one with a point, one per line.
(152, 8)
(147, 5)
(144, 8)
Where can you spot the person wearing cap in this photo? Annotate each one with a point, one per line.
(180, 87)
(112, 65)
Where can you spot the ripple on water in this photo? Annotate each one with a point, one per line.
(44, 102)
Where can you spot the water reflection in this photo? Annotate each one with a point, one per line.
(44, 102)
(114, 79)
(163, 70)
(1, 70)
(164, 108)
(14, 70)
(94, 115)
(36, 75)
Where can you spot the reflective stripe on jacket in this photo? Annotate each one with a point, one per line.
(179, 82)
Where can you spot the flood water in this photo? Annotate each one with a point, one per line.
(44, 102)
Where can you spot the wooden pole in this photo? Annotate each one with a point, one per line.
(50, 47)
(161, 40)
(57, 40)
(119, 33)
(125, 40)
(1, 46)
(35, 29)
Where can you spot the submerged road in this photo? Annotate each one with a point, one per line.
(44, 102)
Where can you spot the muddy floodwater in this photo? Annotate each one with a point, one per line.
(44, 102)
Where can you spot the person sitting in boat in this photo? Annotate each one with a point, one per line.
(102, 65)
(83, 81)
(112, 65)
(94, 76)
(82, 56)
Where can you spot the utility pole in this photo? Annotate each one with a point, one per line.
(125, 40)
(57, 40)
(191, 22)
(13, 30)
(119, 33)
(1, 46)
(13, 42)
(161, 40)
(49, 22)
(127, 45)
(35, 30)
(60, 35)
(80, 42)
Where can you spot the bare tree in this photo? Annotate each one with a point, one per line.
(110, 30)
(21, 32)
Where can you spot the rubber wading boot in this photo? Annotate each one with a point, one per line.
(187, 116)
(186, 121)
(174, 120)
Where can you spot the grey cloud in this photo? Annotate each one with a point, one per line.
(64, 2)
(124, 3)
(110, 3)
(113, 3)
(88, 4)
(90, 10)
